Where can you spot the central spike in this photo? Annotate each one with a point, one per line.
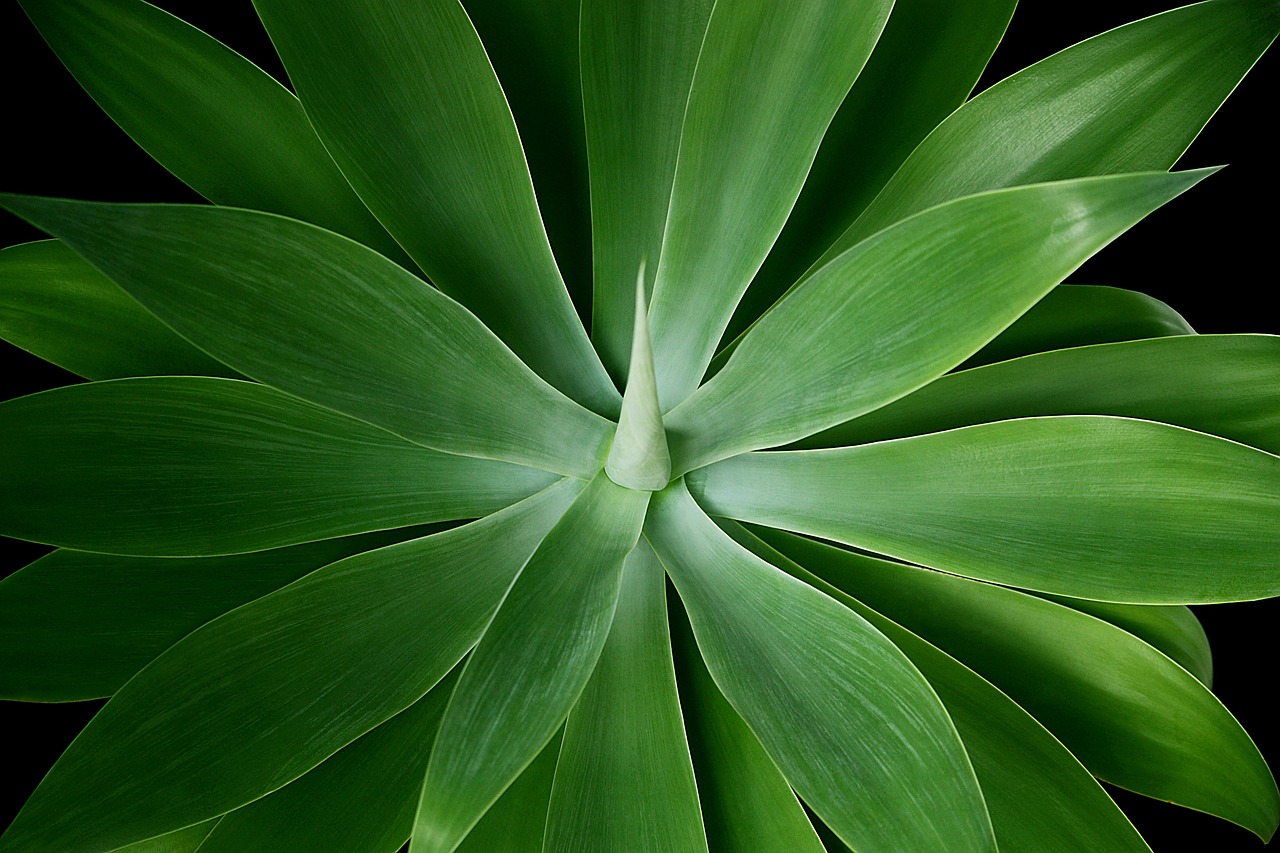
(639, 458)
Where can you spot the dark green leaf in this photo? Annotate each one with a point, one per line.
(57, 306)
(1226, 385)
(1091, 507)
(450, 182)
(516, 822)
(326, 319)
(207, 114)
(1130, 714)
(625, 779)
(193, 466)
(851, 723)
(534, 660)
(179, 841)
(76, 626)
(903, 308)
(258, 697)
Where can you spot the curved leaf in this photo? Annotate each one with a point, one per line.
(207, 114)
(361, 799)
(451, 184)
(517, 821)
(56, 306)
(1041, 799)
(637, 66)
(322, 317)
(747, 806)
(1130, 714)
(77, 626)
(258, 697)
(1225, 385)
(1089, 507)
(851, 723)
(179, 841)
(769, 79)
(534, 660)
(193, 466)
(924, 65)
(903, 308)
(1128, 100)
(1077, 315)
(625, 779)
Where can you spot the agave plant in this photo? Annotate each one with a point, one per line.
(841, 501)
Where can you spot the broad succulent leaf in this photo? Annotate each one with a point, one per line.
(398, 507)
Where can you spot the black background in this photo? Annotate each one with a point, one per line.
(1208, 254)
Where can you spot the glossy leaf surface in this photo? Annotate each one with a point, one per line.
(517, 821)
(902, 309)
(850, 722)
(326, 319)
(1069, 505)
(258, 697)
(451, 184)
(192, 466)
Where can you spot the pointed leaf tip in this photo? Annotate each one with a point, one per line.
(639, 458)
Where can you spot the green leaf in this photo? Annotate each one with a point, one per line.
(326, 319)
(55, 305)
(534, 660)
(1225, 385)
(638, 458)
(853, 726)
(207, 114)
(1173, 629)
(1076, 315)
(194, 466)
(926, 62)
(77, 626)
(179, 841)
(1129, 100)
(532, 45)
(769, 79)
(1090, 507)
(747, 806)
(450, 183)
(637, 65)
(625, 779)
(1040, 797)
(361, 799)
(903, 308)
(260, 696)
(516, 822)
(1130, 714)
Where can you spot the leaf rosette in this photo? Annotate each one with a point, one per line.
(846, 526)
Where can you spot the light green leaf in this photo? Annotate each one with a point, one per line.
(769, 79)
(637, 65)
(747, 806)
(638, 458)
(1041, 799)
(903, 308)
(1172, 629)
(1129, 100)
(76, 626)
(450, 183)
(258, 697)
(55, 305)
(625, 779)
(186, 840)
(194, 466)
(1101, 508)
(361, 799)
(926, 62)
(534, 660)
(853, 726)
(516, 822)
(326, 319)
(1130, 714)
(1076, 315)
(533, 47)
(1226, 385)
(207, 114)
